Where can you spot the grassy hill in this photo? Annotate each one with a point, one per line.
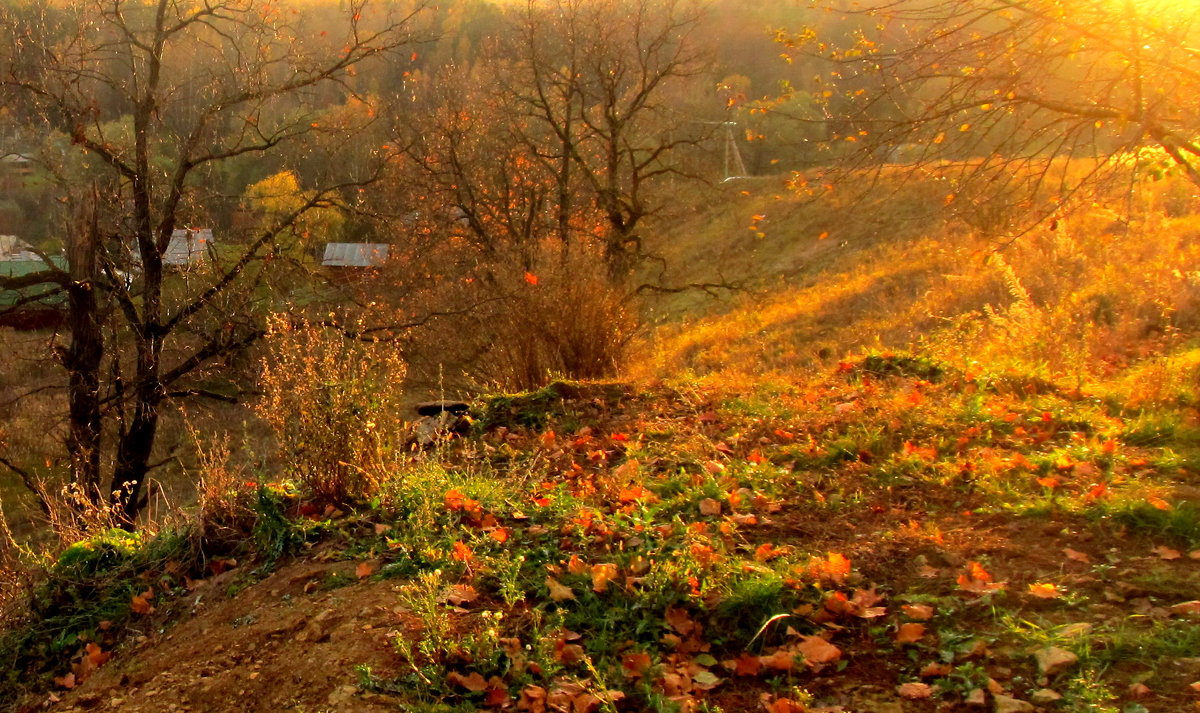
(895, 470)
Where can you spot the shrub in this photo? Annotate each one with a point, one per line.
(333, 403)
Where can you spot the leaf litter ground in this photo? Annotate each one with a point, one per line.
(875, 540)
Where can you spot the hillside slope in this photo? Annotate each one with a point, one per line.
(994, 507)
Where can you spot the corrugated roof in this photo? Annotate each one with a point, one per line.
(188, 246)
(355, 254)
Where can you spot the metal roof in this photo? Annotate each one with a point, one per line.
(188, 246)
(355, 254)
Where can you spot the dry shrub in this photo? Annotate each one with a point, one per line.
(332, 399)
(564, 321)
(225, 489)
(74, 515)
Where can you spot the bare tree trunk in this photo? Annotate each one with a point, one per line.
(82, 359)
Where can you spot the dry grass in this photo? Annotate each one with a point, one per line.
(1077, 300)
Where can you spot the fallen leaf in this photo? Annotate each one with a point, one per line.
(1138, 690)
(462, 553)
(473, 681)
(780, 660)
(576, 565)
(709, 506)
(744, 665)
(1044, 590)
(1166, 553)
(366, 569)
(977, 580)
(1187, 608)
(910, 633)
(500, 535)
(67, 681)
(920, 612)
(1077, 556)
(936, 670)
(567, 654)
(460, 594)
(140, 603)
(635, 663)
(558, 592)
(817, 651)
(679, 620)
(914, 690)
(96, 655)
(602, 574)
(781, 705)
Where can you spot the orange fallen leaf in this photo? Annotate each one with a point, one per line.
(817, 651)
(744, 665)
(781, 705)
(914, 690)
(709, 506)
(635, 663)
(679, 620)
(531, 278)
(462, 553)
(780, 660)
(1044, 590)
(1077, 556)
(366, 569)
(977, 580)
(1138, 690)
(500, 535)
(140, 603)
(935, 670)
(602, 574)
(575, 565)
(766, 552)
(920, 612)
(96, 655)
(1166, 553)
(910, 633)
(67, 681)
(1187, 608)
(473, 681)
(567, 653)
(1159, 503)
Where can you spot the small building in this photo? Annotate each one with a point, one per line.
(16, 164)
(355, 255)
(13, 248)
(189, 247)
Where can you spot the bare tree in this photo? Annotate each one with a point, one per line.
(1013, 98)
(567, 128)
(153, 96)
